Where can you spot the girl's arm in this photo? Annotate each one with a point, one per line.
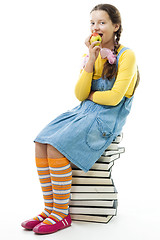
(83, 86)
(126, 70)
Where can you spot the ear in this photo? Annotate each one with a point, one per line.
(116, 27)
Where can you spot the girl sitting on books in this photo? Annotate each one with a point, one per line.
(105, 89)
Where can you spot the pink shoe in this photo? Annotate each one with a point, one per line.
(43, 228)
(31, 223)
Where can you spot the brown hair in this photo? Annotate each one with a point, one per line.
(110, 70)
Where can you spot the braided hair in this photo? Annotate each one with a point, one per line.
(110, 70)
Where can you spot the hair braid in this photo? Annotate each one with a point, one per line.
(118, 35)
(110, 70)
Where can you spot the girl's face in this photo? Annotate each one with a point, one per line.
(102, 24)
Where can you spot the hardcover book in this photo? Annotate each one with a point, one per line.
(93, 195)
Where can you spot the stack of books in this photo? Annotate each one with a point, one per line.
(93, 194)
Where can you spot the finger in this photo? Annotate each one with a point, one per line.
(94, 43)
(90, 36)
(96, 48)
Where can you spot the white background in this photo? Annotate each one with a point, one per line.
(41, 45)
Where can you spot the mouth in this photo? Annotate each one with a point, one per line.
(101, 34)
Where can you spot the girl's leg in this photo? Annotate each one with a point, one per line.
(45, 179)
(61, 178)
(42, 164)
(46, 185)
(40, 150)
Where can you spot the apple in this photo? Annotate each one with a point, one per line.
(95, 37)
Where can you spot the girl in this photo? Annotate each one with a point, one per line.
(106, 86)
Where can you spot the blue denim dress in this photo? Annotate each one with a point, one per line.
(83, 133)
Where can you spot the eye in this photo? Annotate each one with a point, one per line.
(102, 22)
(92, 23)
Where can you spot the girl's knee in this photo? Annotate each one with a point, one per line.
(40, 150)
(52, 152)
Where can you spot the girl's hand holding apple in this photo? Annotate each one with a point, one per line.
(94, 51)
(94, 46)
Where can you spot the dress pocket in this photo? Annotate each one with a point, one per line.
(98, 134)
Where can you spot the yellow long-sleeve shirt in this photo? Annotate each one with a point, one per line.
(123, 86)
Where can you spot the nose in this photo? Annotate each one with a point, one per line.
(95, 27)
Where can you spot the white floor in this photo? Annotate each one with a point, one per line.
(126, 225)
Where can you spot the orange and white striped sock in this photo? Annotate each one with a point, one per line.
(61, 176)
(46, 185)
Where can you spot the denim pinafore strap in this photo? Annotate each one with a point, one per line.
(122, 109)
(105, 84)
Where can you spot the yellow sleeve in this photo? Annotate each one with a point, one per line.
(83, 86)
(126, 70)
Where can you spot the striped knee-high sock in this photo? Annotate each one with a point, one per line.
(61, 176)
(46, 185)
